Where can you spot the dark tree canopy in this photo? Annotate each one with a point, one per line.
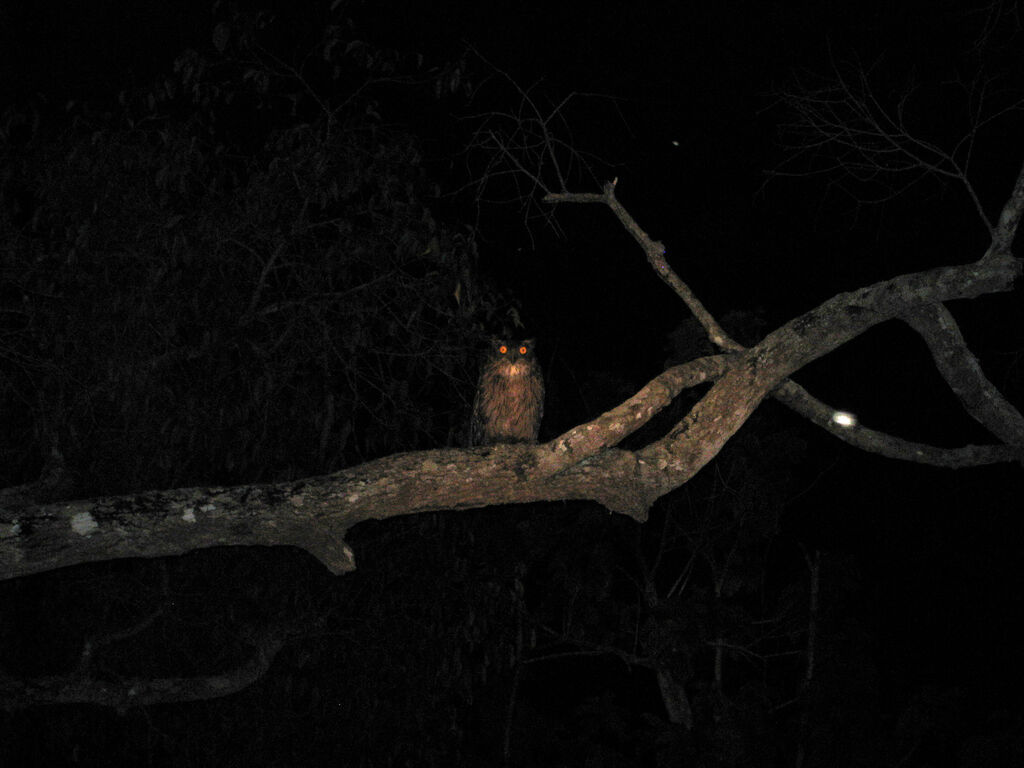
(193, 295)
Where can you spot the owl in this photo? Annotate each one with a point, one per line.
(509, 400)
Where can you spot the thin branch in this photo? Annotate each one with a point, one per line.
(800, 400)
(655, 252)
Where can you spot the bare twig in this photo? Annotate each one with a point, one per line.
(843, 127)
(527, 150)
(655, 252)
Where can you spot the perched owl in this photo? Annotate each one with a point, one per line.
(509, 400)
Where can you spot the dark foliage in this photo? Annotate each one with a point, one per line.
(231, 276)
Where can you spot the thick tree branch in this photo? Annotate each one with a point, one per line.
(963, 373)
(701, 434)
(1009, 221)
(316, 513)
(610, 428)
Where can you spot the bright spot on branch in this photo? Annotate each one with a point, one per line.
(84, 524)
(844, 419)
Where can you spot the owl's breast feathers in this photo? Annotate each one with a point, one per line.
(510, 403)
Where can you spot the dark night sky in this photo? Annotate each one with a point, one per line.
(941, 548)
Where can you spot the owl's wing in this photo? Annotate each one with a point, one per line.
(540, 407)
(476, 425)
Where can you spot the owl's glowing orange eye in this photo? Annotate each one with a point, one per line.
(522, 350)
(503, 349)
